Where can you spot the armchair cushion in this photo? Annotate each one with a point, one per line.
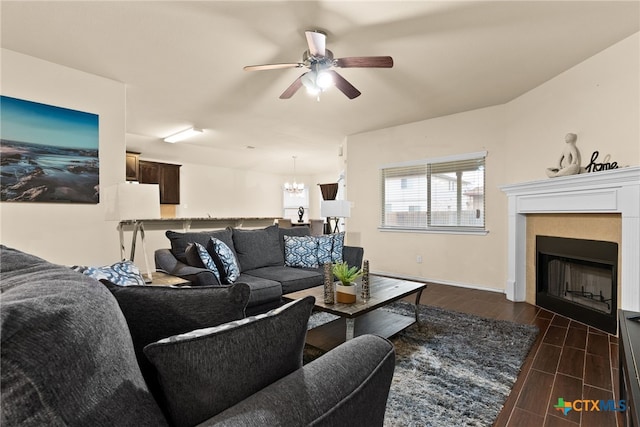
(206, 371)
(347, 386)
(156, 312)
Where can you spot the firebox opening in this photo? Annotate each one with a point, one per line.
(577, 278)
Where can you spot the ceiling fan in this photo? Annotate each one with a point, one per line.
(320, 62)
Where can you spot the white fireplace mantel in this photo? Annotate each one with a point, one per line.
(612, 191)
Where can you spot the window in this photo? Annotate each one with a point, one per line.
(443, 194)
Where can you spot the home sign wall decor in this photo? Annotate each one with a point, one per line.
(48, 153)
(593, 166)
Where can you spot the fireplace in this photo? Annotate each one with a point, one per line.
(614, 191)
(578, 279)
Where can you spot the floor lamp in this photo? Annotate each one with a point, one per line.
(335, 209)
(131, 204)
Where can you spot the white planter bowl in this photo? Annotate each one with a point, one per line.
(345, 294)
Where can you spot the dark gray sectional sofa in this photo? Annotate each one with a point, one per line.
(77, 352)
(260, 255)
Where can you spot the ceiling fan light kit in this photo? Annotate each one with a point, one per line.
(320, 62)
(182, 135)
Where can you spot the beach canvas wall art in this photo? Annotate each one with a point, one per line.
(47, 153)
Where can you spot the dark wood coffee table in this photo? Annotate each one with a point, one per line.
(362, 317)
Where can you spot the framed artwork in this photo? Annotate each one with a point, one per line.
(47, 153)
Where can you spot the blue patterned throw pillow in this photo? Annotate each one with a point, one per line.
(228, 259)
(123, 273)
(338, 246)
(207, 260)
(301, 251)
(325, 245)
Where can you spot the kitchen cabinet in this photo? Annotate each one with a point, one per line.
(131, 166)
(166, 175)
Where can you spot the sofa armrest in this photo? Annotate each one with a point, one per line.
(347, 386)
(353, 255)
(167, 263)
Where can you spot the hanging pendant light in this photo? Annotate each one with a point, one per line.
(296, 187)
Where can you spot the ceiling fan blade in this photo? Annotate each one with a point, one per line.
(365, 61)
(344, 86)
(317, 42)
(297, 84)
(273, 66)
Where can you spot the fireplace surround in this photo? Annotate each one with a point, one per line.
(612, 191)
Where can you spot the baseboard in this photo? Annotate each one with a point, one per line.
(439, 282)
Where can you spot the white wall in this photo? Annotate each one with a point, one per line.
(597, 99)
(66, 233)
(447, 258)
(78, 233)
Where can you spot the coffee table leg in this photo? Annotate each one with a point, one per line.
(418, 295)
(351, 328)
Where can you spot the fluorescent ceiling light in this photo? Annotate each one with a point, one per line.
(187, 133)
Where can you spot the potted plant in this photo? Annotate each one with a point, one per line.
(346, 287)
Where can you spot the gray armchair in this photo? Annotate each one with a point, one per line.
(73, 351)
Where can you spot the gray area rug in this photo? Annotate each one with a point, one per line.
(452, 369)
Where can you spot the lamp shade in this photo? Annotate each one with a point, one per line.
(335, 208)
(329, 191)
(132, 201)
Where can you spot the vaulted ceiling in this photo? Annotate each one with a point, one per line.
(182, 65)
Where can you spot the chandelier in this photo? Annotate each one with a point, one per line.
(296, 187)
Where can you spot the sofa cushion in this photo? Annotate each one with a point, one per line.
(291, 279)
(156, 312)
(263, 290)
(325, 247)
(293, 231)
(207, 260)
(123, 273)
(257, 248)
(179, 241)
(301, 251)
(227, 260)
(337, 247)
(192, 256)
(66, 351)
(206, 371)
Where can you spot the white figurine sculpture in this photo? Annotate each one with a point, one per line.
(569, 162)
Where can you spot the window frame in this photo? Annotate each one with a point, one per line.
(427, 164)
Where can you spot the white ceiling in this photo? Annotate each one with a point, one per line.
(182, 64)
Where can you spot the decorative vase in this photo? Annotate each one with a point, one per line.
(366, 290)
(328, 284)
(345, 294)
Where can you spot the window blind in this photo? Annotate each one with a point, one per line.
(443, 193)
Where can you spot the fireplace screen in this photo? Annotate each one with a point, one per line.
(577, 278)
(584, 283)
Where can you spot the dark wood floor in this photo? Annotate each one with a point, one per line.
(568, 360)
